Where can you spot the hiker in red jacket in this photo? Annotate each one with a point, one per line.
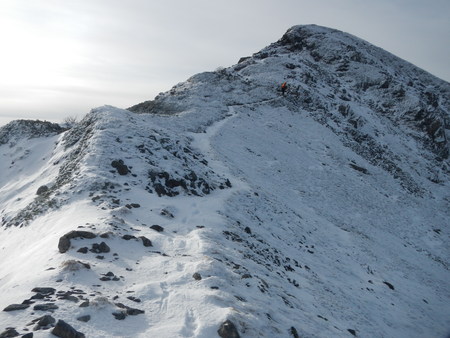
(283, 88)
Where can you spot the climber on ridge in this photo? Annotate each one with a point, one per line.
(283, 88)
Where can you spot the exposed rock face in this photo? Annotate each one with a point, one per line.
(26, 129)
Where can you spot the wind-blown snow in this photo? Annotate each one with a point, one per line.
(322, 213)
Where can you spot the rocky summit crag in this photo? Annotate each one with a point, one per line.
(223, 208)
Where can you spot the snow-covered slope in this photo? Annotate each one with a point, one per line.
(223, 208)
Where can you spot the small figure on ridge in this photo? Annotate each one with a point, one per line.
(283, 88)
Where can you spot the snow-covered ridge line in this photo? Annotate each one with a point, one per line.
(225, 208)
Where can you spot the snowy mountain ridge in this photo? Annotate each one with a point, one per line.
(224, 208)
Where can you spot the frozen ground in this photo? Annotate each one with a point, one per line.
(315, 214)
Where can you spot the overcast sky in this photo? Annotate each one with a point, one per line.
(62, 58)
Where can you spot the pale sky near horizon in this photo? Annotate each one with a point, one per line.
(62, 58)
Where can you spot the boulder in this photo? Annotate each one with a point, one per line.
(228, 330)
(9, 332)
(64, 241)
(64, 330)
(46, 320)
(145, 241)
(42, 190)
(100, 248)
(44, 290)
(63, 244)
(45, 307)
(15, 307)
(157, 228)
(121, 167)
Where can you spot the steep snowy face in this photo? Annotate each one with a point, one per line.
(345, 82)
(225, 208)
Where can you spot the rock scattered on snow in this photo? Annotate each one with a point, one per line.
(85, 318)
(228, 330)
(100, 248)
(157, 227)
(120, 166)
(145, 241)
(9, 332)
(197, 276)
(46, 307)
(42, 190)
(15, 307)
(64, 330)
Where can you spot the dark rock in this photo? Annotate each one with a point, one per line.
(44, 290)
(46, 320)
(64, 330)
(248, 230)
(145, 241)
(228, 330)
(119, 315)
(128, 237)
(390, 286)
(160, 190)
(294, 332)
(63, 244)
(134, 299)
(15, 307)
(100, 248)
(64, 241)
(45, 307)
(10, 332)
(70, 297)
(246, 275)
(83, 250)
(121, 167)
(104, 247)
(84, 318)
(135, 205)
(28, 335)
(109, 274)
(360, 169)
(353, 332)
(129, 310)
(134, 312)
(85, 304)
(157, 228)
(38, 296)
(80, 234)
(244, 58)
(42, 190)
(197, 276)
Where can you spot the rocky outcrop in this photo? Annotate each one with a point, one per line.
(26, 129)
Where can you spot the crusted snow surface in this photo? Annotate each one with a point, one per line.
(321, 213)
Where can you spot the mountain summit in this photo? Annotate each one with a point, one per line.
(225, 208)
